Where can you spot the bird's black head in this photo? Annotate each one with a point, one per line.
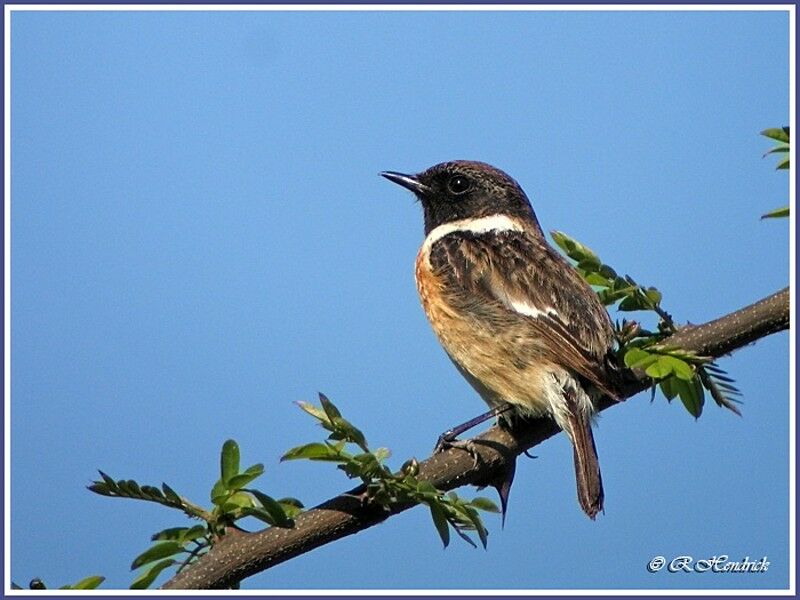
(463, 189)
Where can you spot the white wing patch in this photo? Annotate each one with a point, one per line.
(531, 311)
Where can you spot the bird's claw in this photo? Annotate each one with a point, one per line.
(445, 442)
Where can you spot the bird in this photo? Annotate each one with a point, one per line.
(517, 320)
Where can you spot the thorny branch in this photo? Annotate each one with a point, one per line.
(239, 555)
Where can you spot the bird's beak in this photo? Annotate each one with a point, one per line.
(407, 181)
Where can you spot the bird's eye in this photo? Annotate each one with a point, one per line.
(458, 184)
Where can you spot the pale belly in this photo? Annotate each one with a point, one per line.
(502, 366)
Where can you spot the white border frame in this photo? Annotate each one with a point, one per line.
(9, 8)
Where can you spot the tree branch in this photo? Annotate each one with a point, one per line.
(239, 555)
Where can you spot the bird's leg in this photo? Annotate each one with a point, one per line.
(448, 438)
(502, 481)
(511, 422)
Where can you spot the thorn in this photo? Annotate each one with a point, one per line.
(503, 486)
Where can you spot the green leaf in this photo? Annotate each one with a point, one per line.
(313, 411)
(370, 467)
(681, 368)
(482, 503)
(239, 481)
(152, 492)
(351, 432)
(101, 488)
(229, 460)
(718, 372)
(597, 279)
(381, 454)
(129, 488)
(608, 272)
(610, 296)
(777, 150)
(273, 508)
(777, 213)
(653, 295)
(784, 164)
(353, 469)
(174, 534)
(219, 492)
(668, 388)
(291, 507)
(780, 134)
(313, 451)
(475, 519)
(294, 502)
(685, 355)
(659, 368)
(664, 366)
(143, 581)
(722, 393)
(88, 583)
(691, 394)
(440, 521)
(237, 501)
(590, 264)
(155, 552)
(180, 534)
(731, 389)
(464, 536)
(427, 490)
(563, 241)
(635, 301)
(171, 495)
(573, 248)
(636, 358)
(195, 533)
(110, 482)
(259, 513)
(330, 409)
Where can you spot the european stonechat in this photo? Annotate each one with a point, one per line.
(520, 324)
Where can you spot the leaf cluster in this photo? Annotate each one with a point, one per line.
(610, 287)
(232, 499)
(676, 372)
(780, 135)
(87, 583)
(347, 447)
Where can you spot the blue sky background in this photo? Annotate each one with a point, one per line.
(200, 238)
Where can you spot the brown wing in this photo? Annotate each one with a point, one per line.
(518, 281)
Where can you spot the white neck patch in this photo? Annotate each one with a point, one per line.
(480, 225)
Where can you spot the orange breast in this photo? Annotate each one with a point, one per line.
(426, 281)
(488, 360)
(434, 302)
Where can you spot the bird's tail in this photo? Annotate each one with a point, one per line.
(587, 467)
